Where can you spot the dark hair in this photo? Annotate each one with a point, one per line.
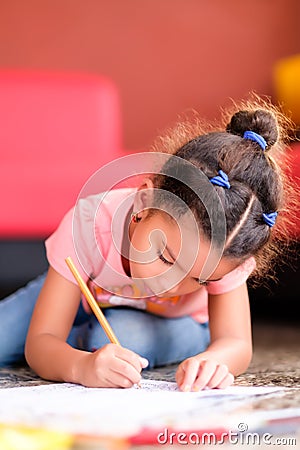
(256, 181)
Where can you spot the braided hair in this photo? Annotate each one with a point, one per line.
(248, 180)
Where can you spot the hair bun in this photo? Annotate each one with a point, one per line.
(261, 121)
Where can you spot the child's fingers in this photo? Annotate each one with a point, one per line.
(220, 374)
(132, 358)
(116, 366)
(114, 379)
(187, 375)
(144, 362)
(179, 375)
(195, 375)
(127, 367)
(122, 380)
(125, 371)
(206, 371)
(227, 381)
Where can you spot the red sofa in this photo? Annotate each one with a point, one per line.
(56, 129)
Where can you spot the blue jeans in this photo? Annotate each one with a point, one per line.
(159, 339)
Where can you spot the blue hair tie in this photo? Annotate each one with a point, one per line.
(256, 138)
(270, 218)
(221, 180)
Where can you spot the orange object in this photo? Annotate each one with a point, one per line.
(286, 76)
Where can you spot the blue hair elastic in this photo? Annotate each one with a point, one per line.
(221, 180)
(270, 218)
(256, 138)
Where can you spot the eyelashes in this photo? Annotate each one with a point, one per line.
(164, 260)
(170, 263)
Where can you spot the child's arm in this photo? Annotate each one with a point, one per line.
(230, 351)
(52, 358)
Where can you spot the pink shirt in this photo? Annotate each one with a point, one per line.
(92, 232)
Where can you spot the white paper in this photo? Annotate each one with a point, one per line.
(117, 412)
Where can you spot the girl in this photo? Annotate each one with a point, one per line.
(164, 261)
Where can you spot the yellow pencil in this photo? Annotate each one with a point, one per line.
(92, 303)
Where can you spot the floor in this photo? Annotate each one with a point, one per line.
(276, 362)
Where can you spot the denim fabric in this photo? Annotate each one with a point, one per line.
(15, 314)
(159, 339)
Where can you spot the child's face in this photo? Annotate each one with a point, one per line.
(168, 258)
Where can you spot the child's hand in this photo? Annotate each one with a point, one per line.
(195, 374)
(111, 366)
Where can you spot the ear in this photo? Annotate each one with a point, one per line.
(143, 197)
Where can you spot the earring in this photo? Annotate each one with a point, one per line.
(135, 218)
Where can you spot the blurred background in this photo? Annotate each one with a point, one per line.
(158, 59)
(165, 56)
